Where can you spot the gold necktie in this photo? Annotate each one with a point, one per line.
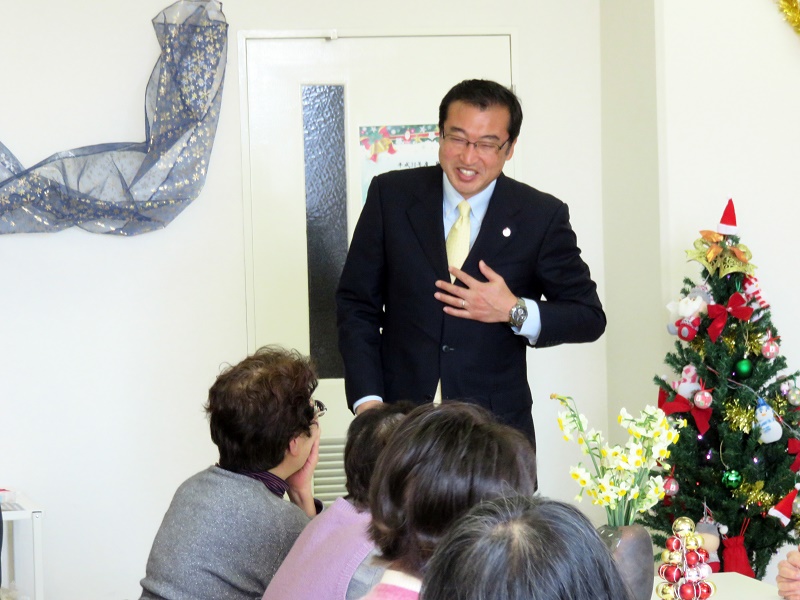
(458, 239)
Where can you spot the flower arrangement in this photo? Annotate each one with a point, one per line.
(621, 482)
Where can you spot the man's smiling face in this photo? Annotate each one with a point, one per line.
(467, 169)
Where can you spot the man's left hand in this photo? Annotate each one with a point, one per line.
(488, 302)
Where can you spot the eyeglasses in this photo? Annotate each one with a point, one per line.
(319, 408)
(483, 148)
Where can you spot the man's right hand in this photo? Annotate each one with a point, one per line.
(367, 405)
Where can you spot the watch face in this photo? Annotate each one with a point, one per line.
(518, 315)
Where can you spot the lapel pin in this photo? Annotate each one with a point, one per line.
(506, 232)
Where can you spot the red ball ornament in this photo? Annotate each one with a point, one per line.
(770, 350)
(692, 558)
(671, 486)
(673, 543)
(703, 554)
(705, 590)
(703, 399)
(671, 573)
(688, 591)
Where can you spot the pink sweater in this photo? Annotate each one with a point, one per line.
(323, 559)
(395, 586)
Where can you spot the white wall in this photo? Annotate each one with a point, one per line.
(729, 79)
(109, 344)
(635, 338)
(731, 74)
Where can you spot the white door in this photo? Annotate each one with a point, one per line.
(385, 80)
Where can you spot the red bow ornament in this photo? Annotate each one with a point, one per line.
(737, 306)
(680, 404)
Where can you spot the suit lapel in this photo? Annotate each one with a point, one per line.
(499, 227)
(425, 216)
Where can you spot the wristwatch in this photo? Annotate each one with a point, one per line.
(518, 314)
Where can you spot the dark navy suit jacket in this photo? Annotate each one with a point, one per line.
(394, 337)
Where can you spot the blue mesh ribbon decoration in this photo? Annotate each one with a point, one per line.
(133, 188)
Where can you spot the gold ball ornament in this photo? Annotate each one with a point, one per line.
(682, 526)
(665, 591)
(675, 557)
(665, 556)
(691, 542)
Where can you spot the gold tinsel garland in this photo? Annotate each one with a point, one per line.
(791, 13)
(698, 345)
(754, 345)
(779, 404)
(754, 494)
(729, 339)
(739, 417)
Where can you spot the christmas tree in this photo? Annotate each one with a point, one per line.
(734, 467)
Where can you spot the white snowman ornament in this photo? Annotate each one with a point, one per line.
(771, 430)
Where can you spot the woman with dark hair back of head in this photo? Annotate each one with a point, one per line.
(228, 527)
(441, 460)
(336, 542)
(522, 548)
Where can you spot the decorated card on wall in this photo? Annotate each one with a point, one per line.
(393, 147)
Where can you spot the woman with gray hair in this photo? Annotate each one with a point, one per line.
(523, 548)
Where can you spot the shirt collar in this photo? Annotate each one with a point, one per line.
(274, 484)
(479, 203)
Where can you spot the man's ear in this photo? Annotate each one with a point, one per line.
(510, 152)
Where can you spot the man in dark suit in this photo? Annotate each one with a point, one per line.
(407, 331)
